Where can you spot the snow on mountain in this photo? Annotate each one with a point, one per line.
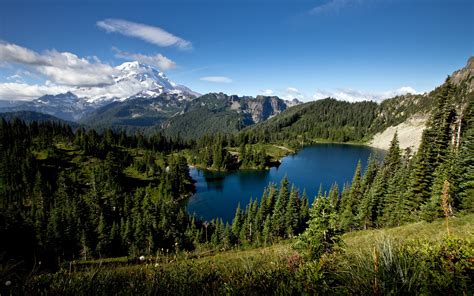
(134, 79)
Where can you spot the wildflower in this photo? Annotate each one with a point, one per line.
(142, 258)
(8, 283)
(156, 264)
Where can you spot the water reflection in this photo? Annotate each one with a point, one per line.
(218, 193)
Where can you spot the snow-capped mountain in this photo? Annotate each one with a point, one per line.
(132, 80)
(142, 95)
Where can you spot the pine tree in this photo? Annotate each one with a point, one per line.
(267, 231)
(262, 211)
(237, 223)
(393, 160)
(103, 237)
(292, 213)
(433, 148)
(38, 208)
(465, 163)
(368, 207)
(321, 236)
(304, 213)
(278, 217)
(349, 202)
(396, 210)
(334, 198)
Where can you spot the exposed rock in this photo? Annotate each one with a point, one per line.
(409, 134)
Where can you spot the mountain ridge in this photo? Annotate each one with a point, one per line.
(133, 80)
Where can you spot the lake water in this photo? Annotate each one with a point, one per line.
(218, 193)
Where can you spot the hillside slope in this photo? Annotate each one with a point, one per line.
(168, 113)
(366, 122)
(280, 270)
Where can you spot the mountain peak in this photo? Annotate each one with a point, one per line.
(132, 65)
(465, 74)
(135, 79)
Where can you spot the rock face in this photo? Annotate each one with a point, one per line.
(409, 134)
(465, 74)
(262, 108)
(254, 110)
(410, 130)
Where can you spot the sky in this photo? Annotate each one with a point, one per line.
(348, 49)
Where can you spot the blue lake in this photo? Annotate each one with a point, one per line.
(218, 193)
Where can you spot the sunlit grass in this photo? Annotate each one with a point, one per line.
(405, 259)
(460, 226)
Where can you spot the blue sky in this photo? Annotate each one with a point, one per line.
(350, 49)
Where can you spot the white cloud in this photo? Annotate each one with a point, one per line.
(63, 68)
(334, 6)
(157, 60)
(151, 34)
(219, 79)
(267, 92)
(291, 93)
(16, 54)
(23, 91)
(292, 90)
(352, 95)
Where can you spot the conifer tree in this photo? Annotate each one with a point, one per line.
(368, 208)
(349, 202)
(278, 217)
(304, 213)
(392, 160)
(267, 231)
(465, 163)
(396, 210)
(237, 222)
(433, 148)
(334, 198)
(103, 232)
(292, 213)
(321, 235)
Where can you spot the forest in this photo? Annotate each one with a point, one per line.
(69, 195)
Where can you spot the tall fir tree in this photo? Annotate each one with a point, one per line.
(350, 201)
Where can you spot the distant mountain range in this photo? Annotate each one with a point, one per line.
(134, 80)
(143, 98)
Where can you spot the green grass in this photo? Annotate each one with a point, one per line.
(410, 259)
(131, 172)
(460, 226)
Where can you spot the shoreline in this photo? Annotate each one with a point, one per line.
(289, 152)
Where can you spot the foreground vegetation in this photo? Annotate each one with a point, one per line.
(418, 258)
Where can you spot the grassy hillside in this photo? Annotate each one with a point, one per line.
(461, 227)
(410, 259)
